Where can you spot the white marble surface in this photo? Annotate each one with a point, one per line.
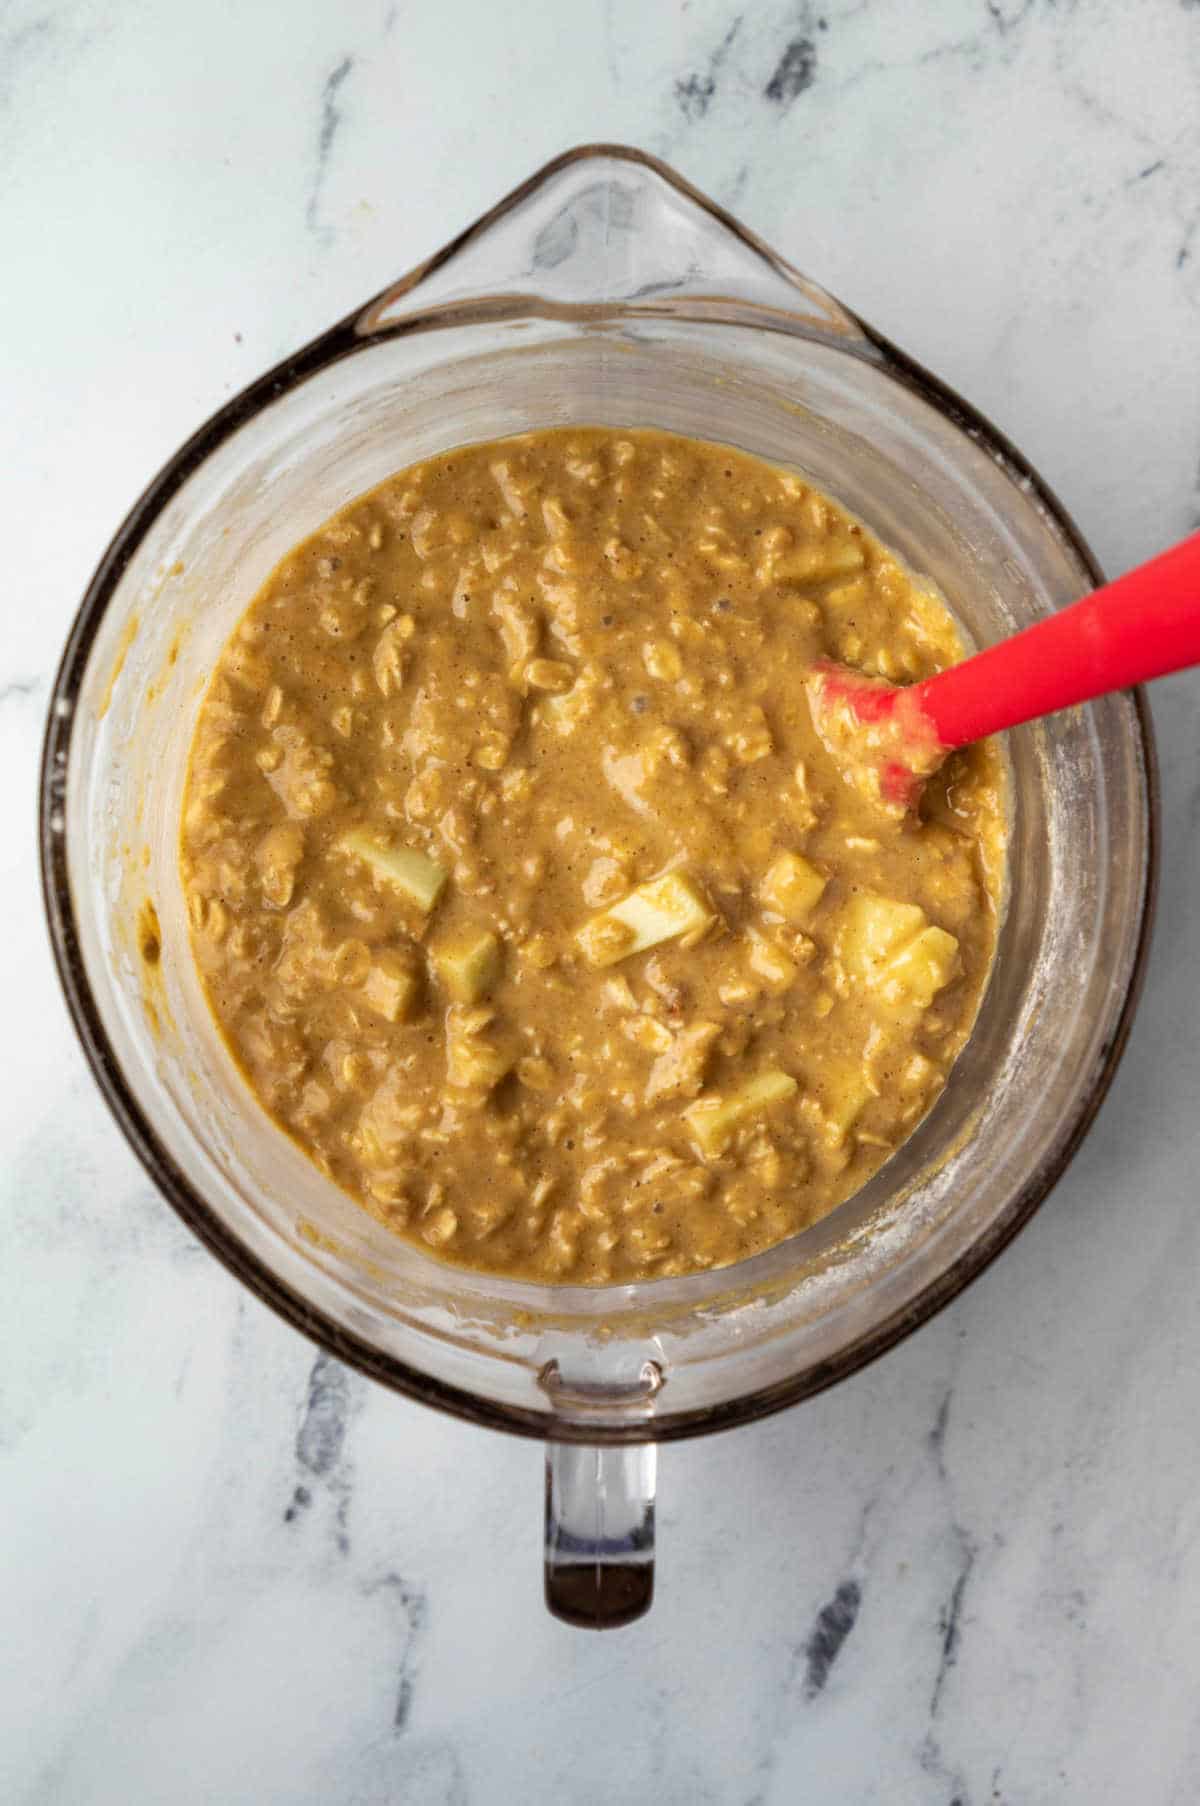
(1011, 1500)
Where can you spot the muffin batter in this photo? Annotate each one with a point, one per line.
(523, 891)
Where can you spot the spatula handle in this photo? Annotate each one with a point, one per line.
(1144, 625)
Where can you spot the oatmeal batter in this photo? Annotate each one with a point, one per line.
(523, 891)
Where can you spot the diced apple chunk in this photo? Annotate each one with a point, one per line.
(873, 929)
(920, 970)
(895, 950)
(469, 966)
(418, 877)
(714, 1121)
(669, 908)
(792, 887)
(393, 985)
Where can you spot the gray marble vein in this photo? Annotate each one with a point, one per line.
(332, 117)
(834, 1622)
(794, 73)
(694, 92)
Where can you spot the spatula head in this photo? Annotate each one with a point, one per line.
(879, 734)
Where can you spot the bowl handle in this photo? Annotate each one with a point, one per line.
(600, 1494)
(599, 1564)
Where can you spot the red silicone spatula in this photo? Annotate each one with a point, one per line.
(890, 738)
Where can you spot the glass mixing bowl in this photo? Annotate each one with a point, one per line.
(604, 290)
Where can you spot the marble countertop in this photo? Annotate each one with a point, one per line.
(233, 1571)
